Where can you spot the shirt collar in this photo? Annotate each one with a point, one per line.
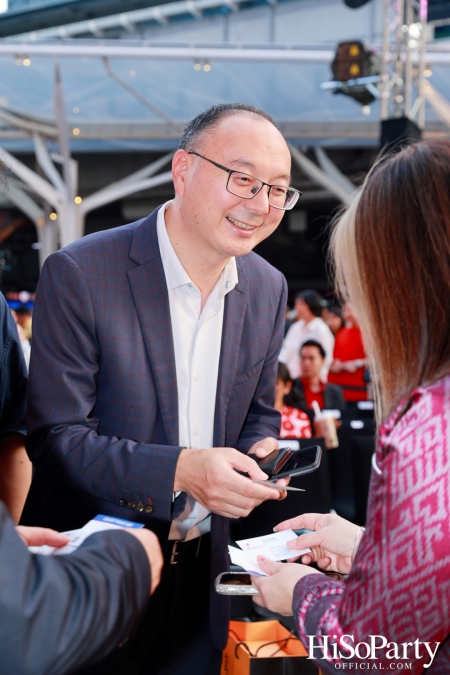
(174, 271)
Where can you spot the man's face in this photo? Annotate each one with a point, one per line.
(311, 362)
(220, 223)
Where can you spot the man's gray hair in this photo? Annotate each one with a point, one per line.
(211, 117)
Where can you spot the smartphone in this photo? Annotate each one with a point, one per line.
(235, 583)
(286, 463)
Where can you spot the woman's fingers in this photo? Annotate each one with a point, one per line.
(270, 567)
(307, 521)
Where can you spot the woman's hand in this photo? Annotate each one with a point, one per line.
(276, 591)
(331, 543)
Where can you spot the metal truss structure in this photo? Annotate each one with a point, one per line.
(404, 60)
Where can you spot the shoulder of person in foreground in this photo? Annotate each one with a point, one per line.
(61, 613)
(262, 276)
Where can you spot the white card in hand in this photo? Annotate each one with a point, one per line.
(238, 557)
(272, 546)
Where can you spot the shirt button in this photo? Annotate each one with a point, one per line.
(140, 506)
(197, 377)
(148, 509)
(196, 432)
(123, 502)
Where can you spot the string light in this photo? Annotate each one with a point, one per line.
(197, 65)
(75, 110)
(26, 61)
(53, 216)
(206, 67)
(18, 61)
(132, 73)
(76, 131)
(78, 200)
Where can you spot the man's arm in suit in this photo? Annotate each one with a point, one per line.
(62, 393)
(263, 421)
(62, 613)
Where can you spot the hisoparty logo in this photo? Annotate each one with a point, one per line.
(345, 652)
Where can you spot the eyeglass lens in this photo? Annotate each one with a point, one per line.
(243, 185)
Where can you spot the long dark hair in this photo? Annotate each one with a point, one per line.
(392, 255)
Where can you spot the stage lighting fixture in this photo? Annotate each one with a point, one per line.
(355, 72)
(354, 4)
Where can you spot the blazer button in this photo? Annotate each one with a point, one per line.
(132, 505)
(123, 502)
(140, 506)
(148, 509)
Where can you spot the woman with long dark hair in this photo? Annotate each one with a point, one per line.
(392, 255)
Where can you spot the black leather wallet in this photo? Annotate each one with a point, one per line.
(285, 462)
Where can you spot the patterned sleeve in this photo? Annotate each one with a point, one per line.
(393, 609)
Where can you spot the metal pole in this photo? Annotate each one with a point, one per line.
(423, 15)
(385, 60)
(408, 63)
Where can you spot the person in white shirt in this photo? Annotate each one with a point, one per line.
(308, 327)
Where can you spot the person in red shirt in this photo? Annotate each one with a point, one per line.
(309, 387)
(294, 422)
(349, 364)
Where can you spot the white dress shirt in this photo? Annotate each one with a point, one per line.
(197, 338)
(297, 335)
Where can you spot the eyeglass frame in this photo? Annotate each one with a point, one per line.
(269, 185)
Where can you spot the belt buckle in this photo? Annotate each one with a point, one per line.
(174, 553)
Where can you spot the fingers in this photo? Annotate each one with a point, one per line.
(264, 447)
(310, 540)
(40, 536)
(248, 465)
(254, 491)
(270, 567)
(307, 521)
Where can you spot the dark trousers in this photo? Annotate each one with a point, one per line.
(174, 637)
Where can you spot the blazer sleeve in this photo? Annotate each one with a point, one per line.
(263, 420)
(62, 613)
(63, 430)
(13, 376)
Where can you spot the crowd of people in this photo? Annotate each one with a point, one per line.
(160, 372)
(322, 363)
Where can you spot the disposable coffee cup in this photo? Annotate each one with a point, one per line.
(325, 423)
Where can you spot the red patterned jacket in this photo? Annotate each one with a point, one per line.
(399, 586)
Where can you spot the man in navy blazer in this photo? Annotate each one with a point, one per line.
(117, 355)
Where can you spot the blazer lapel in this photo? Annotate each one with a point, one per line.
(149, 289)
(233, 321)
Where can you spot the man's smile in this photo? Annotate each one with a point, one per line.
(241, 225)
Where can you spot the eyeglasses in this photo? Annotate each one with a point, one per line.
(246, 186)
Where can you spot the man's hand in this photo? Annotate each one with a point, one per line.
(150, 542)
(263, 448)
(41, 536)
(209, 476)
(276, 591)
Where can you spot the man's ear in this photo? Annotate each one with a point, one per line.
(179, 168)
